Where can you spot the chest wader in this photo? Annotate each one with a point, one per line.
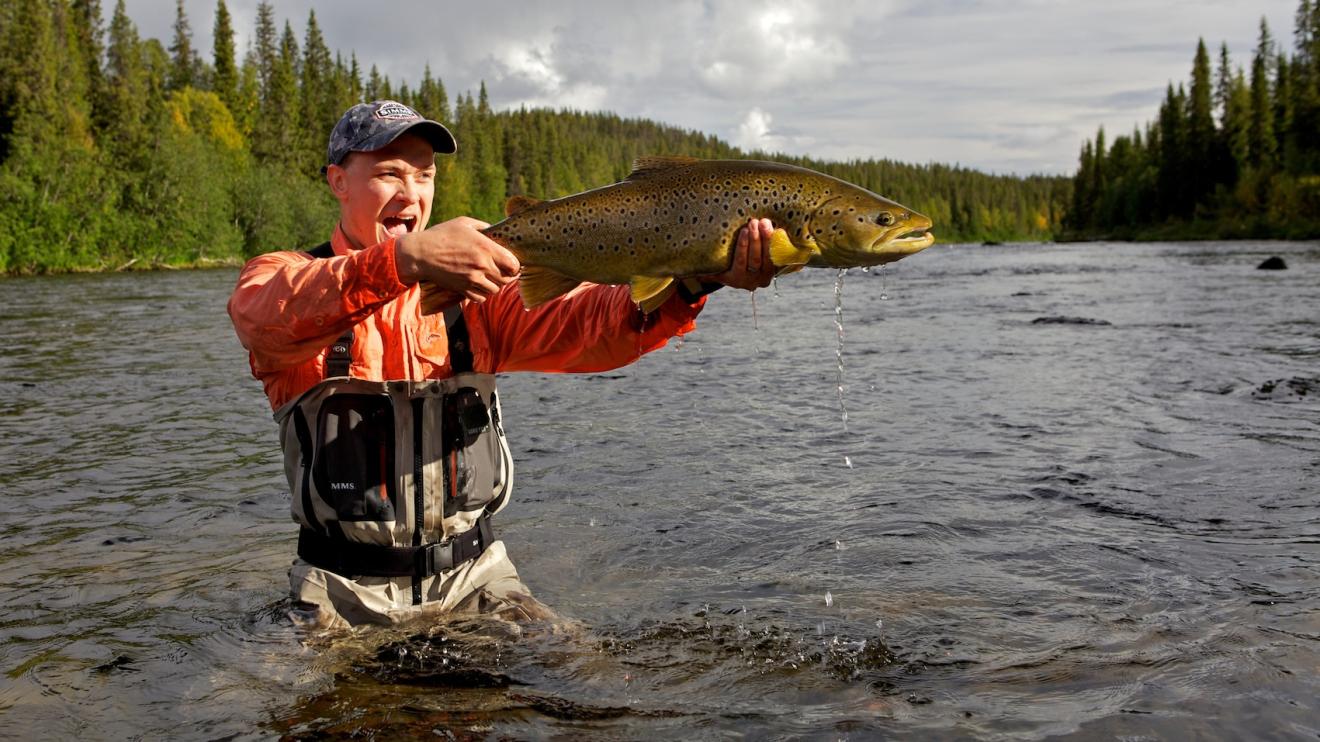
(394, 482)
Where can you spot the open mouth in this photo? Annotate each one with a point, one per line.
(399, 225)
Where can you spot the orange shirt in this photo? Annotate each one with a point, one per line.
(288, 308)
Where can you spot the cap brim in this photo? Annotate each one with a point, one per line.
(435, 134)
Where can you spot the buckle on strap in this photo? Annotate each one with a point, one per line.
(435, 558)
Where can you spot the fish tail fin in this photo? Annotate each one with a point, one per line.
(538, 284)
(435, 299)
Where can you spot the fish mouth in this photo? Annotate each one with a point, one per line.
(907, 244)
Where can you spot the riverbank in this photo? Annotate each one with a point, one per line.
(1199, 231)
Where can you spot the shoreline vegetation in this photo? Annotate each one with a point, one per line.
(1234, 153)
(117, 151)
(113, 147)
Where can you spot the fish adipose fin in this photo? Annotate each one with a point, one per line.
(538, 284)
(652, 164)
(649, 292)
(517, 204)
(786, 256)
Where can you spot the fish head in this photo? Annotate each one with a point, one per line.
(858, 228)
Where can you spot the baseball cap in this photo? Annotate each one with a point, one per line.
(370, 126)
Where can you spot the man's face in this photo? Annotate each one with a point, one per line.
(384, 193)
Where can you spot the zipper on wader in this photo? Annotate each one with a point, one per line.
(419, 492)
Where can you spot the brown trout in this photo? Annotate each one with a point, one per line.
(678, 217)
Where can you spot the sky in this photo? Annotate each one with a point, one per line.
(1013, 86)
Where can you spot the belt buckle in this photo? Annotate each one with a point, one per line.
(437, 558)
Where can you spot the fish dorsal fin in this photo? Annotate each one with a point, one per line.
(653, 164)
(517, 204)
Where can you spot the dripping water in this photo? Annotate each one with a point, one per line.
(838, 352)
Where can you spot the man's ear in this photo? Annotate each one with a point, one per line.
(337, 178)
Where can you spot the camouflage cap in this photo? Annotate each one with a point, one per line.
(370, 126)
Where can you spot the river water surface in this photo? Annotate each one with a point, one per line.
(1078, 495)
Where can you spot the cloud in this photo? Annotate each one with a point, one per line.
(1001, 85)
(760, 48)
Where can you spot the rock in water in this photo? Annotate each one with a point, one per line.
(1273, 263)
(1069, 321)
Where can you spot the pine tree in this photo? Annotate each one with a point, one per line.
(127, 89)
(224, 80)
(91, 40)
(1200, 127)
(1262, 139)
(320, 109)
(181, 51)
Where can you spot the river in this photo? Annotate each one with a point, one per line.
(1077, 496)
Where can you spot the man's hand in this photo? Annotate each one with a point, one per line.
(751, 268)
(457, 258)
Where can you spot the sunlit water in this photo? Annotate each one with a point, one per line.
(1029, 529)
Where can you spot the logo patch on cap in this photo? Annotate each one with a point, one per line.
(396, 112)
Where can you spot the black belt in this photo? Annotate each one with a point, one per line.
(351, 559)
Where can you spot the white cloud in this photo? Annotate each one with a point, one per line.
(760, 49)
(754, 133)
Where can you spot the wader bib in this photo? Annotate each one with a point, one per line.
(393, 484)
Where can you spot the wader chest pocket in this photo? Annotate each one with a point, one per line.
(354, 465)
(466, 418)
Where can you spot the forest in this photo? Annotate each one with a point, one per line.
(1232, 154)
(122, 152)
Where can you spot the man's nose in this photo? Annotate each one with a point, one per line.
(409, 191)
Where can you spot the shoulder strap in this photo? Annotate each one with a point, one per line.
(340, 356)
(460, 348)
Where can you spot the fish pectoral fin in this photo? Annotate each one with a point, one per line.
(649, 292)
(517, 204)
(539, 284)
(784, 254)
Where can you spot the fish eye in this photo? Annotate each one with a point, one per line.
(885, 219)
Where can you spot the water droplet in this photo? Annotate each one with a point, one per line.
(829, 599)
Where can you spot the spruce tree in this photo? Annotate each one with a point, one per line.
(181, 51)
(224, 79)
(1262, 139)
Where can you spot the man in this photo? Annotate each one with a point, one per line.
(389, 417)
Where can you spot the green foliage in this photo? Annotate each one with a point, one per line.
(117, 151)
(1252, 173)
